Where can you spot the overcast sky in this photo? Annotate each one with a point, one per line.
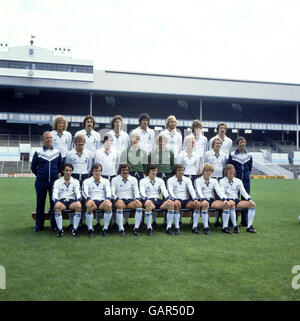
(235, 39)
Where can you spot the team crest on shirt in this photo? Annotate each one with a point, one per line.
(147, 188)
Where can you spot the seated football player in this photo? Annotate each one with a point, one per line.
(205, 187)
(96, 190)
(66, 195)
(232, 187)
(180, 189)
(151, 187)
(125, 192)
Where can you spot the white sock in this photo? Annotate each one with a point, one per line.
(251, 214)
(107, 218)
(119, 215)
(138, 217)
(98, 217)
(233, 216)
(148, 216)
(204, 216)
(126, 215)
(89, 219)
(225, 218)
(176, 219)
(170, 215)
(58, 219)
(71, 218)
(154, 216)
(77, 218)
(196, 217)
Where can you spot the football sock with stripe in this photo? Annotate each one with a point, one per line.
(107, 217)
(251, 214)
(204, 216)
(58, 219)
(196, 217)
(225, 218)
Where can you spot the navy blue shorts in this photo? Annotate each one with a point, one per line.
(98, 203)
(158, 202)
(210, 201)
(67, 203)
(236, 201)
(127, 201)
(184, 203)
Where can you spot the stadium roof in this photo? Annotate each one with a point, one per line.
(120, 82)
(138, 83)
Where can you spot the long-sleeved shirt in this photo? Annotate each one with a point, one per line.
(127, 189)
(217, 160)
(92, 140)
(206, 190)
(108, 159)
(70, 191)
(174, 141)
(200, 146)
(121, 141)
(136, 158)
(91, 189)
(164, 160)
(147, 138)
(226, 144)
(232, 189)
(82, 163)
(181, 189)
(63, 141)
(191, 162)
(152, 189)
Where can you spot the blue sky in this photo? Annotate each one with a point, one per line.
(235, 39)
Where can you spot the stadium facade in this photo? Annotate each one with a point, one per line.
(37, 84)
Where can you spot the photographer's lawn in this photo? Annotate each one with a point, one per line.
(40, 266)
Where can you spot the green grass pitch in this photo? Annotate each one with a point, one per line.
(40, 266)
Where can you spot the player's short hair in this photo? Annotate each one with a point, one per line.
(57, 119)
(45, 133)
(187, 138)
(208, 167)
(68, 165)
(214, 141)
(112, 122)
(106, 137)
(170, 118)
(123, 166)
(143, 116)
(149, 168)
(221, 124)
(196, 124)
(239, 139)
(227, 168)
(96, 166)
(176, 166)
(78, 137)
(86, 118)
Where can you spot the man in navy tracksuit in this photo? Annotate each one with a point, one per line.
(45, 165)
(242, 162)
